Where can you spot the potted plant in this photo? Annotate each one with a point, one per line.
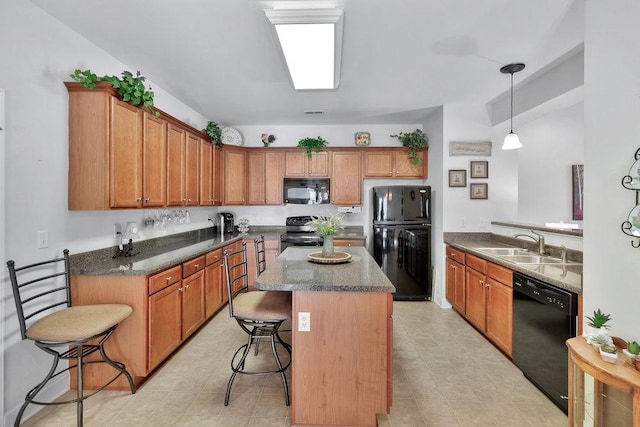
(214, 131)
(598, 322)
(608, 353)
(312, 144)
(632, 351)
(131, 88)
(326, 227)
(415, 140)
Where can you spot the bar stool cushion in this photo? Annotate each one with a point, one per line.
(263, 305)
(78, 322)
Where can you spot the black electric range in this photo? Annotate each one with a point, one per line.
(299, 234)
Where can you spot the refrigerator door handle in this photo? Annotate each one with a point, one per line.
(398, 244)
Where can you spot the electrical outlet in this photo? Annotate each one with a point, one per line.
(304, 321)
(117, 229)
(43, 239)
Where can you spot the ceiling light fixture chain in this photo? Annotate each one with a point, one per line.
(511, 141)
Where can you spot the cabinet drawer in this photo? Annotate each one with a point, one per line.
(213, 256)
(476, 263)
(272, 244)
(192, 266)
(456, 254)
(165, 278)
(500, 273)
(348, 242)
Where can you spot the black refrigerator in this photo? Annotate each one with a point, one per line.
(402, 239)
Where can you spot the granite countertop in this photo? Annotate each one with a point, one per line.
(564, 276)
(291, 271)
(154, 255)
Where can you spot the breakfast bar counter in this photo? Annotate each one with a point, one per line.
(342, 336)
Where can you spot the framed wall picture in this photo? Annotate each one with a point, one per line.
(479, 169)
(577, 172)
(457, 178)
(470, 148)
(478, 191)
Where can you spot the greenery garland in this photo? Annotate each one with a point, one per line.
(415, 140)
(312, 144)
(131, 88)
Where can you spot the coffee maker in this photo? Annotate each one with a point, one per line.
(226, 222)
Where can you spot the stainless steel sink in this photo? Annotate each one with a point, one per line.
(531, 259)
(505, 251)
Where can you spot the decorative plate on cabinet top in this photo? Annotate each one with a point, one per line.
(634, 174)
(634, 219)
(362, 139)
(231, 136)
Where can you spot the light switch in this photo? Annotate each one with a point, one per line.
(43, 239)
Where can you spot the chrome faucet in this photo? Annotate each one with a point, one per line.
(539, 240)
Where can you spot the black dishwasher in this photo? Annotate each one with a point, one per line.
(544, 317)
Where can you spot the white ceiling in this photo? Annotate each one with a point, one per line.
(400, 58)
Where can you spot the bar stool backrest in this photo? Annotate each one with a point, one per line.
(261, 261)
(235, 264)
(39, 289)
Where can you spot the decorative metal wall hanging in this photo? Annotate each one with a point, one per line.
(631, 227)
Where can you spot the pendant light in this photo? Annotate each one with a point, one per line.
(511, 141)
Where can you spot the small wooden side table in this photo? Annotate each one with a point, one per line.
(601, 393)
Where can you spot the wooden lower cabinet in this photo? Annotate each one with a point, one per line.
(482, 292)
(215, 288)
(165, 326)
(348, 242)
(455, 279)
(168, 307)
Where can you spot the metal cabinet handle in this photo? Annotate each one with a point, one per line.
(148, 199)
(186, 286)
(138, 199)
(196, 265)
(169, 278)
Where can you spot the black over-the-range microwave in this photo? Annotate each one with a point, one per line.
(306, 191)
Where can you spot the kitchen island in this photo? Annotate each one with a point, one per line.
(342, 351)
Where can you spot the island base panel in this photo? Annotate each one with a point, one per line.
(342, 366)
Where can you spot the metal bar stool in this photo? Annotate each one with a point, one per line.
(47, 317)
(259, 313)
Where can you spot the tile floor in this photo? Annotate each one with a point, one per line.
(445, 374)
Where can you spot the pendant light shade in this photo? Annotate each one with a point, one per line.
(511, 141)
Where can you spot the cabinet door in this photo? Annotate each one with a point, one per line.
(294, 163)
(234, 186)
(499, 314)
(164, 323)
(405, 169)
(318, 164)
(192, 303)
(154, 158)
(217, 176)
(192, 171)
(206, 173)
(214, 284)
(273, 178)
(125, 167)
(475, 305)
(460, 287)
(346, 178)
(176, 140)
(378, 164)
(450, 281)
(256, 178)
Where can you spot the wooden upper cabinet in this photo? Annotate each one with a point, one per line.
(346, 178)
(256, 178)
(234, 176)
(318, 164)
(217, 176)
(274, 163)
(176, 140)
(154, 161)
(206, 173)
(378, 163)
(264, 173)
(125, 153)
(393, 163)
(294, 163)
(405, 169)
(120, 156)
(192, 171)
(298, 164)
